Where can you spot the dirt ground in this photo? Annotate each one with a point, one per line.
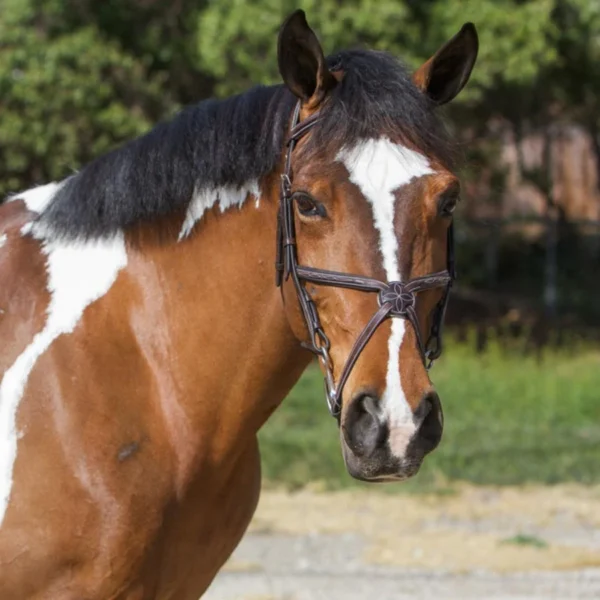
(470, 543)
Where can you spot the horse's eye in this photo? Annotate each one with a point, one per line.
(447, 202)
(308, 206)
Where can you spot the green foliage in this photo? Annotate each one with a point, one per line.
(516, 38)
(577, 75)
(66, 97)
(237, 39)
(508, 420)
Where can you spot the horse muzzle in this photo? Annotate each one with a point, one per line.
(376, 450)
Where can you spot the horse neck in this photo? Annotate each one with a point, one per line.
(210, 322)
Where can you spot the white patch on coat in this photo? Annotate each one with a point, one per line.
(78, 274)
(38, 198)
(3, 239)
(226, 197)
(379, 168)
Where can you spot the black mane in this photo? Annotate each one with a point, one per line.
(233, 141)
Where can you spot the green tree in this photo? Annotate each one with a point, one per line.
(237, 40)
(66, 95)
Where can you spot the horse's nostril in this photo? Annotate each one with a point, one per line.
(425, 407)
(432, 422)
(369, 405)
(362, 428)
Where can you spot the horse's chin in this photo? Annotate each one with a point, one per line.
(381, 467)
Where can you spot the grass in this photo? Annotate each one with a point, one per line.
(509, 419)
(522, 539)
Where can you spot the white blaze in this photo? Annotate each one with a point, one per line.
(78, 274)
(379, 168)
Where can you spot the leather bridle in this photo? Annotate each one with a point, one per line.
(396, 299)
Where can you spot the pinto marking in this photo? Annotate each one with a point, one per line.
(206, 198)
(379, 168)
(78, 274)
(3, 239)
(37, 199)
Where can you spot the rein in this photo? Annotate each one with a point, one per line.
(396, 299)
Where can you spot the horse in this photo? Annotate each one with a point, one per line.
(158, 305)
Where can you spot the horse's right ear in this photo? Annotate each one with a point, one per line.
(301, 61)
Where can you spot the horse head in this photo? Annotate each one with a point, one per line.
(367, 196)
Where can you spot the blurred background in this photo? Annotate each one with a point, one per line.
(520, 379)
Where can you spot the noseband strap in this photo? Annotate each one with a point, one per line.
(396, 299)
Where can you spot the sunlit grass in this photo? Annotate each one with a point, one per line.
(510, 418)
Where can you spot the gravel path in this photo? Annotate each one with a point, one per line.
(480, 543)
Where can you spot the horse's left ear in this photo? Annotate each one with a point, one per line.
(446, 73)
(301, 61)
